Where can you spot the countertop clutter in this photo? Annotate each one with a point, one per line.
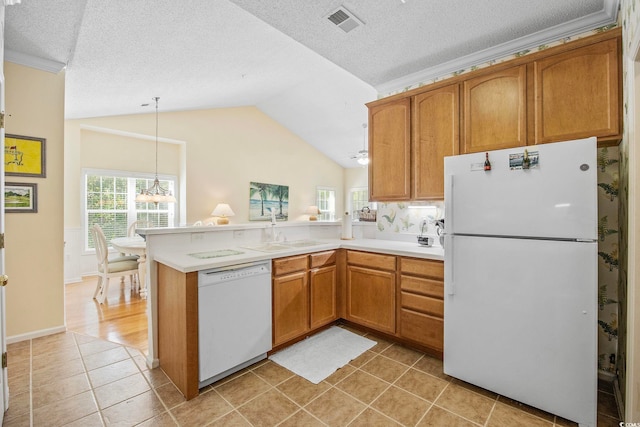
(233, 254)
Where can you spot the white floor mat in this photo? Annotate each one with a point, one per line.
(322, 354)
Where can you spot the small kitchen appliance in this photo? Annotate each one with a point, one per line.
(440, 231)
(520, 303)
(423, 239)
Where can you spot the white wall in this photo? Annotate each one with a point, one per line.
(224, 150)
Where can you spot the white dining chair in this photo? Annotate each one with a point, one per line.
(141, 223)
(119, 266)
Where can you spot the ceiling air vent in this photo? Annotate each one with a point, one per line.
(344, 19)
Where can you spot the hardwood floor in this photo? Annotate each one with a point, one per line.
(121, 319)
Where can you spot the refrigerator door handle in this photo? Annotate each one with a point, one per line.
(448, 195)
(448, 267)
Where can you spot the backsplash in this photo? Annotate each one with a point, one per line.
(403, 221)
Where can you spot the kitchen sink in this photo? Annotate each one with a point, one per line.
(269, 247)
(282, 246)
(302, 243)
(215, 254)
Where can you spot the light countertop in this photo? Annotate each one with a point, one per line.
(182, 261)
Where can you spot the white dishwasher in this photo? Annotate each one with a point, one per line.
(234, 319)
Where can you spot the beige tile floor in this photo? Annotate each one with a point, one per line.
(77, 380)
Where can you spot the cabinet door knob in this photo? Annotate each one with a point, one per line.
(4, 280)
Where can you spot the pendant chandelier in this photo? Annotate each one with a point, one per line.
(156, 194)
(363, 155)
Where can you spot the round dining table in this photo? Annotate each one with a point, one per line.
(135, 245)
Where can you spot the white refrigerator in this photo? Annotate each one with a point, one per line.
(520, 307)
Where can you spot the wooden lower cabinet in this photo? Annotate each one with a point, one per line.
(178, 328)
(290, 306)
(398, 296)
(422, 329)
(371, 290)
(421, 305)
(304, 294)
(322, 298)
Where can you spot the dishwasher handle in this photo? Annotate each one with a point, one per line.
(233, 272)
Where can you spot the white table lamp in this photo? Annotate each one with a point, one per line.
(312, 211)
(223, 211)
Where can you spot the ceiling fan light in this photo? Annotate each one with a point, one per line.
(363, 155)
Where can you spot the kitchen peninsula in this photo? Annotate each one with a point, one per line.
(392, 287)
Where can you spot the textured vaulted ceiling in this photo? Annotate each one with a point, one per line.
(283, 56)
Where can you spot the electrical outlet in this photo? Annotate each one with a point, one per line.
(238, 234)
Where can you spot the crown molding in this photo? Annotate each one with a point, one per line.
(607, 16)
(33, 61)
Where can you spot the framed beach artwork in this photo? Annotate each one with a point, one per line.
(263, 198)
(20, 197)
(24, 156)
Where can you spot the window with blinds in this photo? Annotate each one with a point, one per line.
(109, 200)
(326, 200)
(359, 200)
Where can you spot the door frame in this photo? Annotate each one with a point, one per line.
(632, 393)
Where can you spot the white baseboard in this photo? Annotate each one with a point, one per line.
(70, 280)
(36, 334)
(152, 363)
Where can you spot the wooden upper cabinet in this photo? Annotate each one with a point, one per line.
(576, 94)
(435, 134)
(495, 113)
(390, 150)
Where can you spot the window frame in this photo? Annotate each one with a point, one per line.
(354, 210)
(131, 211)
(332, 201)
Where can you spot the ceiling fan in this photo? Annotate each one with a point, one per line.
(362, 156)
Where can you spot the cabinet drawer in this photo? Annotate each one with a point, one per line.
(432, 306)
(289, 265)
(322, 258)
(418, 285)
(422, 267)
(382, 262)
(422, 328)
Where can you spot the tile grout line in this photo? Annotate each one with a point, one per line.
(275, 387)
(433, 404)
(152, 388)
(390, 384)
(86, 373)
(493, 408)
(233, 407)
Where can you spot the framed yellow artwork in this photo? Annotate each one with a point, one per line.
(24, 156)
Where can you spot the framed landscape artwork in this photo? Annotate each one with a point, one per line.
(20, 197)
(265, 197)
(24, 156)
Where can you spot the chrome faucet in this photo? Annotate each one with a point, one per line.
(274, 236)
